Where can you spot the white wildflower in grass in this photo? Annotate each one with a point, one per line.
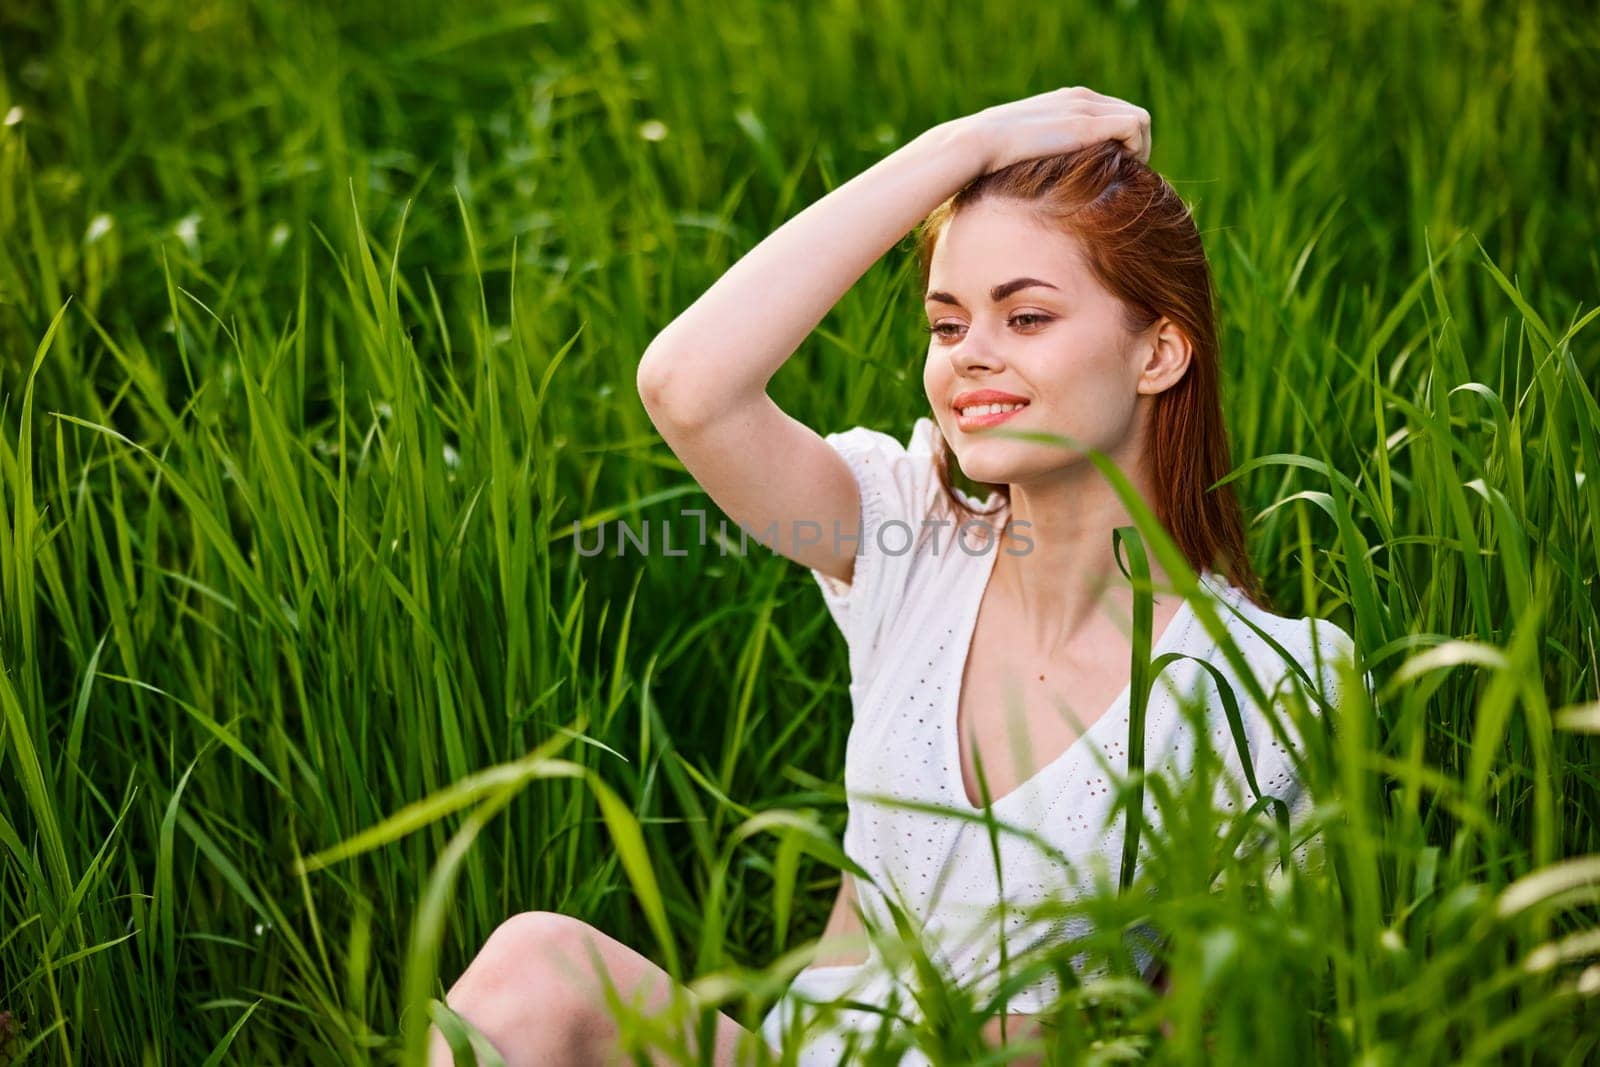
(187, 230)
(653, 130)
(14, 115)
(99, 226)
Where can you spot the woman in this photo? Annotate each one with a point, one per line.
(1067, 292)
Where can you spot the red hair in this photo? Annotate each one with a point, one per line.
(1140, 242)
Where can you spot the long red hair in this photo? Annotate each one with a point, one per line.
(1141, 243)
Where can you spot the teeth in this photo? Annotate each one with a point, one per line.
(989, 409)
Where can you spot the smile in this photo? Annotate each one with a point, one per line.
(982, 416)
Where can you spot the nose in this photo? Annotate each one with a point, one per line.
(975, 354)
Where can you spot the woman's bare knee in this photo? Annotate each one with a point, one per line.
(526, 943)
(538, 989)
(529, 986)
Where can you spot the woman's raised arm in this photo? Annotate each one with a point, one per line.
(724, 348)
(703, 379)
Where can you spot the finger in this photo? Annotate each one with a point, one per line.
(1138, 144)
(1087, 101)
(1141, 137)
(1097, 94)
(1117, 102)
(1130, 134)
(1117, 128)
(1119, 113)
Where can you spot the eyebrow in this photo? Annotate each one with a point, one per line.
(997, 294)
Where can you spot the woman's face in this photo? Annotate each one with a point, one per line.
(1059, 345)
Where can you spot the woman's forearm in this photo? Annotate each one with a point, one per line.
(729, 343)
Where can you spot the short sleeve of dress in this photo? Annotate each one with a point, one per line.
(1327, 653)
(899, 488)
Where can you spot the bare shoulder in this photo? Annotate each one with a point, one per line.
(1274, 645)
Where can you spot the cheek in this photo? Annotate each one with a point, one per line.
(1089, 390)
(1103, 371)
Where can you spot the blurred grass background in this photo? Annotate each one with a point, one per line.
(320, 326)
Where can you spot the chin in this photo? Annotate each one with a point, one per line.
(989, 473)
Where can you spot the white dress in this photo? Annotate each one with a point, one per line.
(908, 618)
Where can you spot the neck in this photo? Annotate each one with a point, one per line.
(1067, 588)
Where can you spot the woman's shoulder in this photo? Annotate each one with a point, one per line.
(1274, 643)
(1307, 632)
(919, 441)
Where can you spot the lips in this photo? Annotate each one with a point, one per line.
(969, 423)
(985, 396)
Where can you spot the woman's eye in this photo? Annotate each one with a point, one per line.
(939, 329)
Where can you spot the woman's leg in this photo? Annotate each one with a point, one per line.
(535, 994)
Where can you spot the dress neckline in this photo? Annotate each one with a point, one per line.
(950, 707)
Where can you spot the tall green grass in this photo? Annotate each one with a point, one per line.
(320, 328)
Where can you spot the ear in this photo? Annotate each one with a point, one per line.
(1166, 352)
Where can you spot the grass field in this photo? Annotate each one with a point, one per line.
(320, 326)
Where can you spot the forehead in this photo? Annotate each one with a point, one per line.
(994, 240)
